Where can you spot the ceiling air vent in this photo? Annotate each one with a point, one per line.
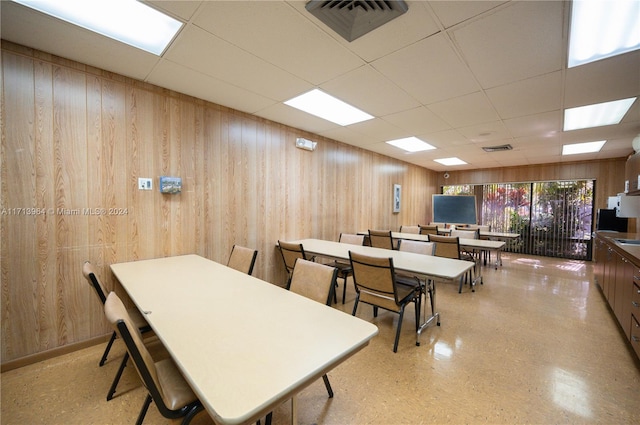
(497, 148)
(353, 19)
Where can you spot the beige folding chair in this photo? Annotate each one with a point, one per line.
(428, 286)
(317, 282)
(290, 253)
(428, 229)
(166, 385)
(375, 282)
(449, 247)
(410, 229)
(465, 254)
(381, 239)
(141, 324)
(344, 268)
(242, 259)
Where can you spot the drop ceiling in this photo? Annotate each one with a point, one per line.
(461, 75)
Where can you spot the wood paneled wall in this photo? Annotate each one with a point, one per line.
(75, 140)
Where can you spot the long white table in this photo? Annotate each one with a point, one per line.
(426, 266)
(244, 345)
(468, 244)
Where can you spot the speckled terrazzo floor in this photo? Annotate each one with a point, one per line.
(536, 344)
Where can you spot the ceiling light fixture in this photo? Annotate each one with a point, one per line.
(601, 29)
(318, 103)
(578, 148)
(596, 115)
(450, 161)
(411, 144)
(128, 21)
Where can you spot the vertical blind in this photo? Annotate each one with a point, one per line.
(554, 219)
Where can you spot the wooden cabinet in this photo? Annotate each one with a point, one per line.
(634, 330)
(618, 275)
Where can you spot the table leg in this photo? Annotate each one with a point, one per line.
(431, 289)
(294, 410)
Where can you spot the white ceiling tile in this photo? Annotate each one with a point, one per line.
(417, 121)
(602, 81)
(378, 130)
(486, 132)
(183, 9)
(515, 43)
(202, 51)
(544, 124)
(465, 110)
(279, 34)
(528, 97)
(184, 80)
(451, 13)
(366, 88)
(429, 70)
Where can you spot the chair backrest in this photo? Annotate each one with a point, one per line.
(290, 253)
(466, 234)
(419, 247)
(374, 279)
(89, 273)
(446, 246)
(381, 239)
(314, 280)
(410, 229)
(480, 227)
(119, 318)
(351, 238)
(242, 259)
(428, 229)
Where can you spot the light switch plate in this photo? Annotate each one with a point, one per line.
(145, 183)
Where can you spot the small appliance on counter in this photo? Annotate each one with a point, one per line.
(606, 219)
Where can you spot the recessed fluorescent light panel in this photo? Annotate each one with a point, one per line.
(320, 104)
(127, 21)
(411, 144)
(577, 148)
(601, 29)
(597, 115)
(450, 161)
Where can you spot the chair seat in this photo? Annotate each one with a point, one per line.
(176, 393)
(407, 280)
(405, 292)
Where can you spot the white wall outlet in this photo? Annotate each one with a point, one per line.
(145, 183)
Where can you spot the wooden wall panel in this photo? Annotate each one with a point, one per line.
(77, 138)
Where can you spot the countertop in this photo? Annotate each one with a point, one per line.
(632, 252)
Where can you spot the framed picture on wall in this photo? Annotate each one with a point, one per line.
(397, 193)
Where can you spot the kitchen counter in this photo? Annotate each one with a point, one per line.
(631, 252)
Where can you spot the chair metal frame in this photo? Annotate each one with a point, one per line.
(89, 273)
(389, 294)
(290, 253)
(186, 412)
